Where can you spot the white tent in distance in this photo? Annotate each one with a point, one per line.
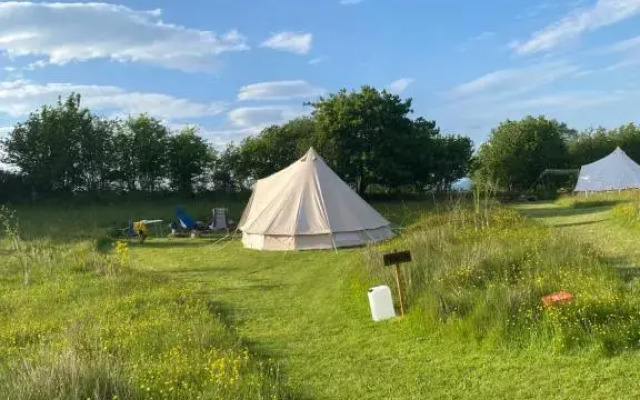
(462, 185)
(617, 171)
(307, 206)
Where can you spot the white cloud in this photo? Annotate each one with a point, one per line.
(261, 117)
(476, 40)
(629, 49)
(350, 2)
(476, 106)
(508, 82)
(244, 122)
(221, 137)
(278, 90)
(317, 60)
(544, 7)
(486, 35)
(294, 42)
(217, 137)
(19, 97)
(583, 73)
(578, 108)
(603, 13)
(629, 45)
(568, 100)
(66, 32)
(399, 86)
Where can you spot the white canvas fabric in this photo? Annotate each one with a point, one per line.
(307, 206)
(462, 185)
(616, 171)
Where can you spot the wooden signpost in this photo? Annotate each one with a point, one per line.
(396, 258)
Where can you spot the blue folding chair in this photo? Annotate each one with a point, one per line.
(185, 219)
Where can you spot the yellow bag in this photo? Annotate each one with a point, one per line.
(141, 229)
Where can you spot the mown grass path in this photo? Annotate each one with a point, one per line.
(594, 225)
(309, 311)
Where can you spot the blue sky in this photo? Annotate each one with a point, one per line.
(234, 67)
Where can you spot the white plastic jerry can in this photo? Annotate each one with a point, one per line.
(381, 303)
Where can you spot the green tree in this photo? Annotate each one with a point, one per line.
(189, 156)
(518, 151)
(149, 141)
(226, 175)
(593, 144)
(123, 164)
(365, 136)
(590, 145)
(13, 186)
(60, 148)
(437, 160)
(276, 147)
(628, 138)
(95, 157)
(452, 157)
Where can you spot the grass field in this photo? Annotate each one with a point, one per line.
(593, 222)
(204, 318)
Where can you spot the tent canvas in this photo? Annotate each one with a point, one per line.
(617, 171)
(462, 185)
(307, 206)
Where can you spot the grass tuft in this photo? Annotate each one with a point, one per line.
(69, 376)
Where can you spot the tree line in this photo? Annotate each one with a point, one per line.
(67, 148)
(367, 136)
(518, 152)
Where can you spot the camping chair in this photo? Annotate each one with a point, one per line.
(186, 222)
(220, 219)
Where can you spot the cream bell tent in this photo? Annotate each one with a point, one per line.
(614, 172)
(307, 206)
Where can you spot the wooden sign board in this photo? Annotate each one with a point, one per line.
(397, 257)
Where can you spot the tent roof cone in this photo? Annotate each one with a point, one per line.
(616, 171)
(307, 206)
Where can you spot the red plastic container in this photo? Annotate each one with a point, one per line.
(556, 298)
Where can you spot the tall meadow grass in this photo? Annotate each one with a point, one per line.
(480, 273)
(79, 322)
(625, 205)
(600, 199)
